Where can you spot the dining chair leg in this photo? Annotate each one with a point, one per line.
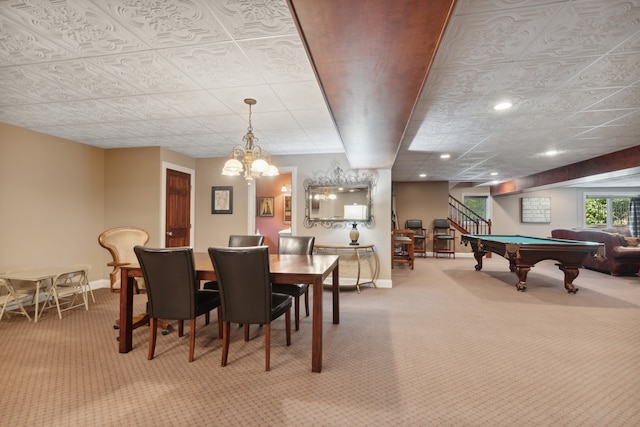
(306, 301)
(297, 315)
(180, 328)
(246, 332)
(287, 319)
(219, 322)
(206, 318)
(225, 342)
(192, 338)
(153, 334)
(267, 346)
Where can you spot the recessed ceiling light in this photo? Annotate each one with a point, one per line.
(501, 106)
(551, 153)
(445, 156)
(494, 173)
(423, 175)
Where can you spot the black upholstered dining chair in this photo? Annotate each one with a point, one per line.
(172, 289)
(295, 245)
(238, 240)
(246, 294)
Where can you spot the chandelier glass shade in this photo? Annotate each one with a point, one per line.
(250, 160)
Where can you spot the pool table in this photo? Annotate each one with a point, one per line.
(524, 252)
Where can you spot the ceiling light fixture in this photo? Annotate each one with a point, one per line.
(501, 106)
(551, 153)
(250, 159)
(325, 195)
(445, 156)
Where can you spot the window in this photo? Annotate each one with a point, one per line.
(477, 204)
(602, 211)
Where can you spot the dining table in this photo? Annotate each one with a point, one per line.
(309, 269)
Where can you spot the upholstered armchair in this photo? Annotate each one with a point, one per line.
(119, 242)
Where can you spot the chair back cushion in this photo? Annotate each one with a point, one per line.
(170, 277)
(244, 280)
(440, 223)
(295, 245)
(414, 224)
(245, 240)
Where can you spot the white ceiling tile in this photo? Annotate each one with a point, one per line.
(217, 65)
(280, 59)
(164, 24)
(253, 19)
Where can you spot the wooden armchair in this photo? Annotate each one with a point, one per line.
(444, 238)
(419, 238)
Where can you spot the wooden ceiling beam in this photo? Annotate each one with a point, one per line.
(617, 161)
(371, 59)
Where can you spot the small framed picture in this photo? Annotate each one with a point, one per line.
(265, 206)
(287, 210)
(221, 200)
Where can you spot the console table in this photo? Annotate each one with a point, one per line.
(355, 249)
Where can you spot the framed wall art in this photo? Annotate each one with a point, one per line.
(287, 210)
(535, 209)
(221, 200)
(265, 206)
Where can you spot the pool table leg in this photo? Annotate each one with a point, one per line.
(478, 256)
(522, 271)
(570, 273)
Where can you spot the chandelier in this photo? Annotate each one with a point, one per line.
(250, 159)
(325, 195)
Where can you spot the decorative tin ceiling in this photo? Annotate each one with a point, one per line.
(174, 73)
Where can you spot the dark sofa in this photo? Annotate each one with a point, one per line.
(620, 258)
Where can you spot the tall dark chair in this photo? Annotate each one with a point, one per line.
(235, 241)
(245, 290)
(444, 238)
(295, 245)
(419, 244)
(172, 288)
(241, 240)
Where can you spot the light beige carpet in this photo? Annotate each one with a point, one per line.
(447, 346)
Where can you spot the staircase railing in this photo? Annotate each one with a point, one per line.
(466, 220)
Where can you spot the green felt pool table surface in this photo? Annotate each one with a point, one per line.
(527, 240)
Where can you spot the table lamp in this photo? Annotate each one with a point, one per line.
(353, 214)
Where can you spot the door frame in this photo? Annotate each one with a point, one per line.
(163, 200)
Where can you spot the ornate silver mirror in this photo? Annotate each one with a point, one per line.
(334, 201)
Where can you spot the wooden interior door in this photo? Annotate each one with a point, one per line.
(178, 215)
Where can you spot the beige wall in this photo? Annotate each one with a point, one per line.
(132, 189)
(566, 210)
(421, 200)
(51, 201)
(214, 229)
